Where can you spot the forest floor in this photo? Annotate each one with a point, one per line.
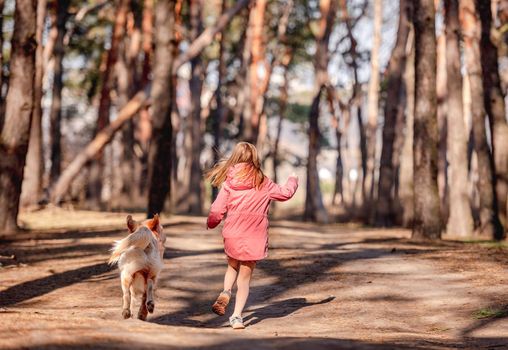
(322, 287)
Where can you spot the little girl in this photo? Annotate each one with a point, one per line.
(245, 196)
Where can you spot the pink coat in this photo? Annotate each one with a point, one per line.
(245, 230)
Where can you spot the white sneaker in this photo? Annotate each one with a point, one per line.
(236, 322)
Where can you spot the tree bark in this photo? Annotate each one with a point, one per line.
(257, 57)
(406, 188)
(95, 146)
(194, 197)
(283, 102)
(127, 82)
(314, 206)
(356, 99)
(489, 220)
(495, 108)
(2, 77)
(107, 74)
(55, 114)
(373, 100)
(34, 170)
(427, 218)
(15, 132)
(460, 219)
(219, 113)
(159, 158)
(385, 210)
(144, 125)
(442, 113)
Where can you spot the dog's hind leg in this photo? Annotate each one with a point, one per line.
(143, 311)
(150, 304)
(126, 280)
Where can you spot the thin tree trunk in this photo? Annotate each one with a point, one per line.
(373, 100)
(257, 54)
(218, 113)
(162, 94)
(144, 127)
(460, 219)
(283, 102)
(314, 206)
(127, 82)
(385, 210)
(96, 146)
(495, 108)
(2, 77)
(489, 220)
(442, 114)
(427, 218)
(406, 165)
(356, 98)
(15, 131)
(34, 171)
(194, 197)
(107, 74)
(55, 114)
(112, 56)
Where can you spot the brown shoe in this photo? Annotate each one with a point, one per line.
(219, 307)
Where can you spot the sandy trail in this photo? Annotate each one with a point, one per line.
(323, 287)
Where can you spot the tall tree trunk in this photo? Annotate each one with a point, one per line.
(495, 108)
(15, 131)
(107, 74)
(356, 97)
(144, 127)
(460, 219)
(283, 102)
(427, 217)
(2, 77)
(385, 210)
(55, 114)
(406, 189)
(257, 58)
(34, 172)
(218, 113)
(314, 206)
(442, 111)
(489, 220)
(373, 101)
(194, 191)
(162, 95)
(127, 83)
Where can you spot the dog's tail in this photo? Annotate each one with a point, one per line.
(140, 238)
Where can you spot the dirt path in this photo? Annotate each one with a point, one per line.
(323, 287)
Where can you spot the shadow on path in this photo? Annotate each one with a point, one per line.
(281, 308)
(31, 289)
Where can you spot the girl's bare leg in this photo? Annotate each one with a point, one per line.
(243, 284)
(231, 273)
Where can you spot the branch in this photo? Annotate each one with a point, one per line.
(207, 36)
(79, 16)
(96, 145)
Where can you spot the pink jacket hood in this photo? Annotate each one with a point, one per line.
(234, 182)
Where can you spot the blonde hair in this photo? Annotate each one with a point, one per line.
(243, 152)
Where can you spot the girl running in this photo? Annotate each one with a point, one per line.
(245, 196)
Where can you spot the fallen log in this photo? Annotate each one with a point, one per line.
(95, 146)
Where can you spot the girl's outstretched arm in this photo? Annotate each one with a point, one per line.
(218, 208)
(285, 192)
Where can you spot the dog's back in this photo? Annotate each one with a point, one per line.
(140, 260)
